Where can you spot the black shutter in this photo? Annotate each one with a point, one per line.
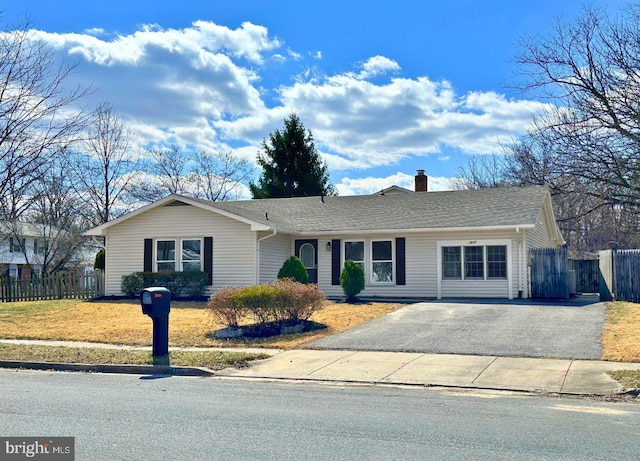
(148, 255)
(208, 258)
(401, 272)
(335, 262)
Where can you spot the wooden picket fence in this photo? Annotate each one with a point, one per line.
(55, 286)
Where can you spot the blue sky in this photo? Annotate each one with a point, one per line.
(386, 87)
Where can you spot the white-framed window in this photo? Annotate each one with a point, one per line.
(16, 245)
(496, 261)
(165, 255)
(40, 246)
(375, 256)
(187, 258)
(354, 251)
(382, 261)
(452, 263)
(476, 261)
(191, 259)
(13, 273)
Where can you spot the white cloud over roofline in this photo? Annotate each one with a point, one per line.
(202, 85)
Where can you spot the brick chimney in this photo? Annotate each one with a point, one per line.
(421, 181)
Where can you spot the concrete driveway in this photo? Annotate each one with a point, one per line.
(518, 328)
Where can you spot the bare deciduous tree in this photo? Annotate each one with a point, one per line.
(52, 222)
(103, 165)
(591, 70)
(37, 117)
(196, 174)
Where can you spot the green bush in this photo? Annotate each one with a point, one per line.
(191, 283)
(284, 301)
(132, 284)
(264, 302)
(352, 280)
(99, 262)
(294, 269)
(195, 282)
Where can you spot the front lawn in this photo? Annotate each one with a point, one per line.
(621, 334)
(122, 322)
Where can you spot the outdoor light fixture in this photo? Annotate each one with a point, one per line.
(328, 246)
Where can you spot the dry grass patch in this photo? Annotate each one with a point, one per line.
(215, 360)
(630, 379)
(190, 324)
(621, 335)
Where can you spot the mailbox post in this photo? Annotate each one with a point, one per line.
(156, 303)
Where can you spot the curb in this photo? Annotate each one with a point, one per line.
(165, 370)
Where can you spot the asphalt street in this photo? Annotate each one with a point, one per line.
(127, 417)
(569, 330)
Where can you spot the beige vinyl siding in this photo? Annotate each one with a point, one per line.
(233, 243)
(421, 267)
(539, 237)
(475, 289)
(274, 251)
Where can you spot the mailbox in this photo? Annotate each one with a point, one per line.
(156, 303)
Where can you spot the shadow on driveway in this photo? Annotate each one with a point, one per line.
(511, 328)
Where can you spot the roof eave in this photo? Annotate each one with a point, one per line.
(101, 230)
(514, 227)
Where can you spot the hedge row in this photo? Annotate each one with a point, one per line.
(191, 283)
(282, 301)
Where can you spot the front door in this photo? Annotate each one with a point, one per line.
(307, 252)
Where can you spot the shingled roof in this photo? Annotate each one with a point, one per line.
(490, 208)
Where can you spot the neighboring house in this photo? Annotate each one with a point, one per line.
(470, 243)
(17, 247)
(24, 248)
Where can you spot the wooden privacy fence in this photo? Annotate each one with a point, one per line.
(587, 275)
(55, 286)
(620, 271)
(549, 273)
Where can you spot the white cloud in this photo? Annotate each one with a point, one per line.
(204, 85)
(94, 31)
(370, 185)
(377, 65)
(295, 55)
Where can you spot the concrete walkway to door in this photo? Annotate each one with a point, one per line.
(503, 328)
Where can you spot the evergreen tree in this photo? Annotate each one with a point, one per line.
(291, 166)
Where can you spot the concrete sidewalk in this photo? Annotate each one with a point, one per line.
(577, 377)
(564, 376)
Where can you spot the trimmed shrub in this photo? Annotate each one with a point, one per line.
(303, 300)
(132, 284)
(294, 269)
(99, 262)
(352, 280)
(284, 301)
(264, 302)
(224, 309)
(191, 283)
(195, 282)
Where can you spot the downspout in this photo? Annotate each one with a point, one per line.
(520, 263)
(257, 271)
(525, 266)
